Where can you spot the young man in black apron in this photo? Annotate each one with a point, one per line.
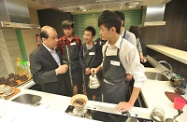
(129, 37)
(90, 57)
(70, 47)
(120, 56)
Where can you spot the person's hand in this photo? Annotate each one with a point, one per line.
(61, 69)
(123, 106)
(128, 77)
(143, 60)
(87, 71)
(95, 70)
(84, 90)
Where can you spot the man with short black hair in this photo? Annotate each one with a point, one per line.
(120, 56)
(46, 64)
(129, 37)
(90, 57)
(70, 46)
(124, 33)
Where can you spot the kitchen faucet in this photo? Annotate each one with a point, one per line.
(170, 67)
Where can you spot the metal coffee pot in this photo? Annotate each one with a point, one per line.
(94, 82)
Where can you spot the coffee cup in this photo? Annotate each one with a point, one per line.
(23, 78)
(2, 88)
(4, 80)
(11, 75)
(8, 90)
(16, 77)
(12, 82)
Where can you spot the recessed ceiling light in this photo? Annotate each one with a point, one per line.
(100, 1)
(133, 4)
(83, 9)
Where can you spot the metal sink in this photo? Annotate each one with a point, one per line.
(156, 76)
(28, 99)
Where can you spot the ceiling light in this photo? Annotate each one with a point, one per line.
(133, 4)
(83, 8)
(100, 1)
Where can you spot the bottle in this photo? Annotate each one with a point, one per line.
(26, 69)
(29, 70)
(18, 63)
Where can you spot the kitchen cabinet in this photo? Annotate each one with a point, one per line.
(173, 53)
(177, 58)
(53, 18)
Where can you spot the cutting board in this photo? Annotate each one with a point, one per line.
(172, 95)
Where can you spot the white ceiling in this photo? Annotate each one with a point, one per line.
(76, 6)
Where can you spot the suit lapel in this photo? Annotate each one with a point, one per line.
(48, 55)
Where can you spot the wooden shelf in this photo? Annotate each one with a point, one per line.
(173, 53)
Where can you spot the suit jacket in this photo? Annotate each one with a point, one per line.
(43, 66)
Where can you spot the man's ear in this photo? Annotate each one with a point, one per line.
(122, 23)
(43, 39)
(113, 29)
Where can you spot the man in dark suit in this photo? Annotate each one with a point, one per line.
(46, 64)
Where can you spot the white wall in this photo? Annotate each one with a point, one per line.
(33, 16)
(10, 51)
(9, 46)
(29, 38)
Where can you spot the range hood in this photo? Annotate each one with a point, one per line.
(15, 14)
(5, 24)
(155, 16)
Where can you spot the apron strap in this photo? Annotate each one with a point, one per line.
(117, 50)
(124, 34)
(120, 46)
(105, 51)
(84, 50)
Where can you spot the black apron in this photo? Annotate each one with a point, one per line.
(71, 57)
(89, 56)
(115, 89)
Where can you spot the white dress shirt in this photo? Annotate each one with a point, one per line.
(54, 54)
(129, 58)
(129, 37)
